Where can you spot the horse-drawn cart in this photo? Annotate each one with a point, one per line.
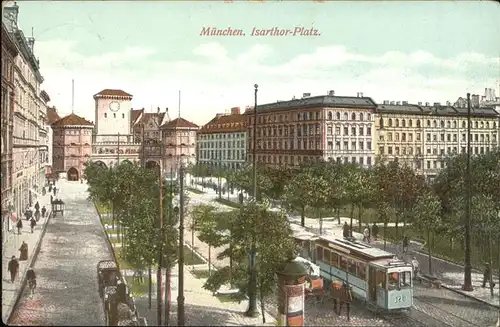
(57, 206)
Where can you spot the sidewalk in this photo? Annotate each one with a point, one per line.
(450, 273)
(11, 292)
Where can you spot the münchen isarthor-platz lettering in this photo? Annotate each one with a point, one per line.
(295, 31)
(214, 31)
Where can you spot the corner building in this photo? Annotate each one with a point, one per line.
(423, 136)
(222, 142)
(326, 127)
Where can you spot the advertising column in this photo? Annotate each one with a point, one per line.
(291, 286)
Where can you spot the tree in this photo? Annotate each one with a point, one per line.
(427, 212)
(204, 221)
(253, 224)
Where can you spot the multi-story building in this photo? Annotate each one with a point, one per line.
(43, 133)
(326, 127)
(27, 120)
(179, 142)
(223, 141)
(423, 135)
(9, 53)
(52, 117)
(146, 131)
(72, 146)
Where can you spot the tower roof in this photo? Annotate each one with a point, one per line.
(179, 123)
(112, 93)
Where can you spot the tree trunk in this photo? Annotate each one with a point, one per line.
(352, 215)
(490, 252)
(303, 216)
(262, 305)
(320, 222)
(360, 223)
(167, 296)
(150, 286)
(397, 225)
(231, 265)
(209, 260)
(429, 246)
(385, 233)
(338, 215)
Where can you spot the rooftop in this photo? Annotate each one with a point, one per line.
(52, 115)
(72, 120)
(112, 93)
(179, 123)
(358, 247)
(320, 102)
(437, 110)
(225, 124)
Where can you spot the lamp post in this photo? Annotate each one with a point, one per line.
(252, 280)
(468, 268)
(180, 295)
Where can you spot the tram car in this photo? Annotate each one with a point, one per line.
(376, 276)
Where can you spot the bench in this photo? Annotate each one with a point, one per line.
(432, 281)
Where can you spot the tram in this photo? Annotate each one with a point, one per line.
(377, 277)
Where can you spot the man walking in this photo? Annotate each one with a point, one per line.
(19, 225)
(13, 268)
(406, 242)
(44, 211)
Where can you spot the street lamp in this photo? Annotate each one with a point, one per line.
(180, 296)
(252, 280)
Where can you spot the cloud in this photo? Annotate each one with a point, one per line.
(215, 79)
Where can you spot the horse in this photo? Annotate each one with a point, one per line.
(341, 294)
(316, 288)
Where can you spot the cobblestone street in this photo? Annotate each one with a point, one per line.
(66, 292)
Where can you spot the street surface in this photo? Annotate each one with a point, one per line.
(66, 292)
(432, 307)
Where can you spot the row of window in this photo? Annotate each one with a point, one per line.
(302, 144)
(220, 136)
(442, 124)
(408, 137)
(114, 115)
(223, 155)
(355, 145)
(316, 115)
(355, 160)
(223, 144)
(355, 131)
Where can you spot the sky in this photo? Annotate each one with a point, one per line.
(428, 51)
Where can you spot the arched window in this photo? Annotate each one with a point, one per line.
(418, 123)
(410, 123)
(330, 116)
(464, 125)
(390, 122)
(338, 115)
(428, 123)
(353, 116)
(397, 122)
(346, 116)
(434, 123)
(361, 116)
(369, 117)
(381, 123)
(442, 124)
(403, 122)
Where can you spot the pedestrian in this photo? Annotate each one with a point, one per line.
(37, 215)
(375, 231)
(406, 242)
(37, 206)
(416, 268)
(51, 199)
(24, 252)
(487, 276)
(345, 231)
(19, 225)
(55, 190)
(50, 188)
(13, 268)
(28, 213)
(366, 235)
(44, 211)
(32, 224)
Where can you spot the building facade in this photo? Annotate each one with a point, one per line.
(9, 53)
(27, 119)
(52, 117)
(43, 133)
(72, 146)
(315, 128)
(223, 141)
(422, 136)
(179, 142)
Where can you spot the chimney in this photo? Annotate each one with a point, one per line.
(166, 109)
(293, 97)
(427, 104)
(31, 43)
(360, 94)
(218, 115)
(398, 103)
(437, 104)
(392, 103)
(306, 95)
(235, 111)
(405, 103)
(158, 110)
(420, 103)
(331, 93)
(386, 102)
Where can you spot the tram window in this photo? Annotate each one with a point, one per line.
(393, 280)
(352, 267)
(343, 263)
(405, 279)
(334, 260)
(380, 279)
(319, 253)
(361, 270)
(326, 255)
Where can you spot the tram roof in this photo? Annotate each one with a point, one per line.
(357, 247)
(300, 233)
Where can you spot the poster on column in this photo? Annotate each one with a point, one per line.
(295, 305)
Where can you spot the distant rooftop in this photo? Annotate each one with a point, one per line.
(112, 93)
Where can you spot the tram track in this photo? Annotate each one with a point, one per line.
(457, 320)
